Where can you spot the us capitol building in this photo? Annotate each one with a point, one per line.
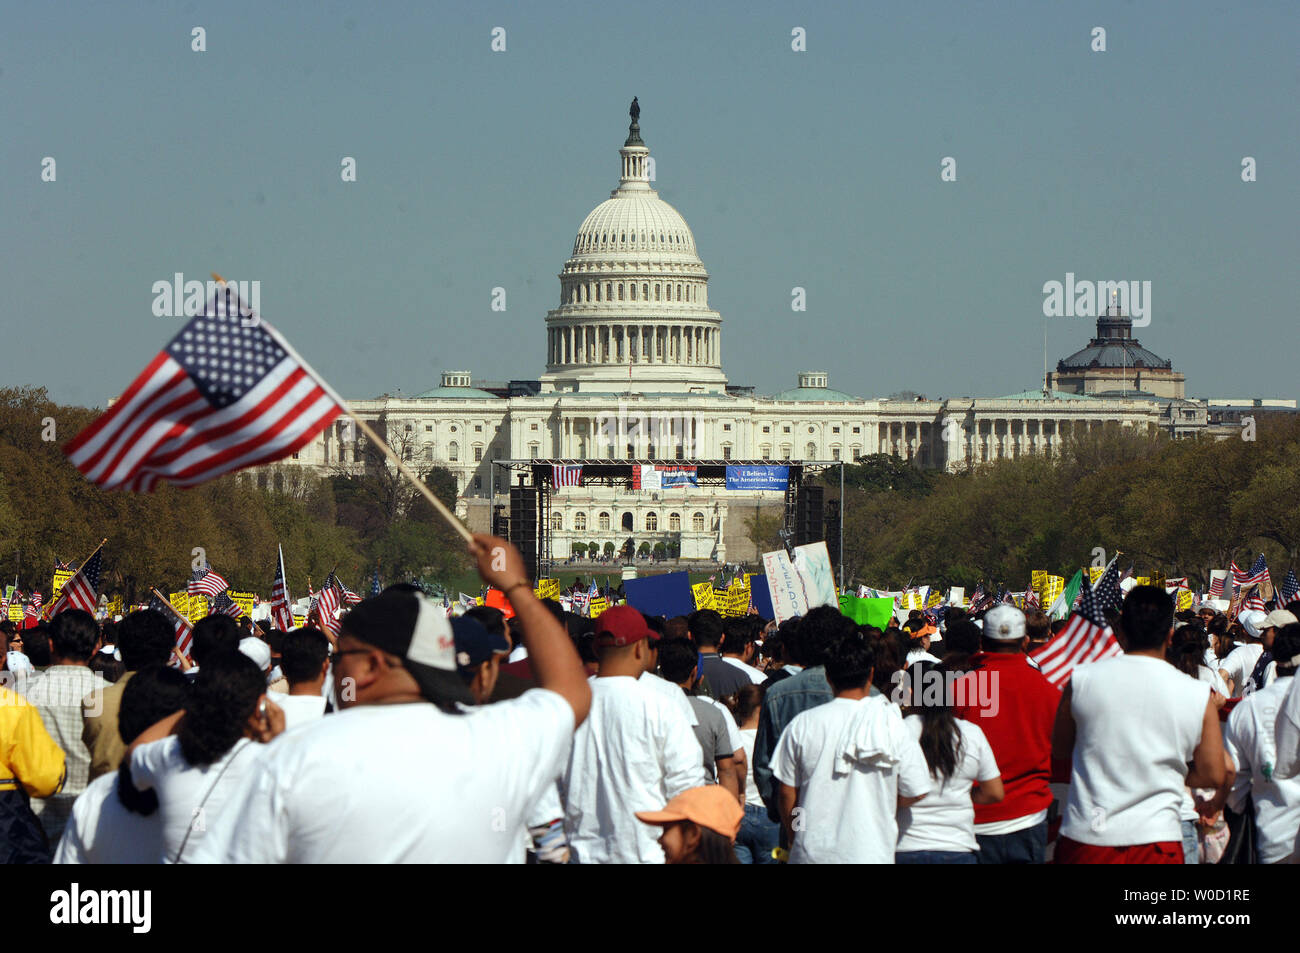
(634, 372)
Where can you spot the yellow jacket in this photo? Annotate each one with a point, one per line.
(28, 755)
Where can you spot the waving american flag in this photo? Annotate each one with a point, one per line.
(225, 393)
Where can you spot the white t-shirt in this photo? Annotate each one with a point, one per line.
(102, 831)
(1241, 661)
(635, 752)
(192, 801)
(755, 676)
(298, 710)
(1212, 678)
(733, 730)
(1249, 738)
(668, 691)
(847, 817)
(747, 736)
(1287, 733)
(1137, 724)
(945, 818)
(401, 784)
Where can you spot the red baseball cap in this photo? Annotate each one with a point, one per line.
(621, 625)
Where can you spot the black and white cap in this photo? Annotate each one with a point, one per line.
(407, 624)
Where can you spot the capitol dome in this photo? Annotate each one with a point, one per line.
(632, 224)
(634, 311)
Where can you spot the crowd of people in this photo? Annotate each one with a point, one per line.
(526, 734)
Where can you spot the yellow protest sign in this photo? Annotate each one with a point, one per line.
(299, 621)
(737, 601)
(242, 599)
(598, 605)
(1142, 580)
(114, 606)
(703, 595)
(548, 589)
(56, 584)
(15, 613)
(198, 608)
(1184, 599)
(1037, 578)
(181, 603)
(1158, 579)
(1053, 586)
(933, 599)
(1094, 573)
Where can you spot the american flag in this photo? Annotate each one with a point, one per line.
(1086, 637)
(977, 597)
(1256, 574)
(375, 587)
(281, 614)
(180, 624)
(1290, 589)
(328, 601)
(82, 590)
(1031, 598)
(350, 598)
(219, 397)
(225, 605)
(566, 476)
(60, 565)
(207, 582)
(1250, 599)
(1217, 578)
(36, 599)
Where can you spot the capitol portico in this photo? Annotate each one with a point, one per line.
(634, 372)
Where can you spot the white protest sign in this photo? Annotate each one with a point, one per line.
(813, 563)
(785, 585)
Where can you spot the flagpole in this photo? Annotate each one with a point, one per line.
(80, 566)
(171, 608)
(402, 468)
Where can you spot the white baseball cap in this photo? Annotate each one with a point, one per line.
(258, 651)
(1252, 620)
(1004, 623)
(1278, 618)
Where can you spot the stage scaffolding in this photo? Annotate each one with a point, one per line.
(538, 474)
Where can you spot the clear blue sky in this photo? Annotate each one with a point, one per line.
(818, 169)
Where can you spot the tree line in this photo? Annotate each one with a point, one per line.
(1179, 507)
(348, 521)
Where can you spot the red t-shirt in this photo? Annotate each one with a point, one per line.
(1015, 707)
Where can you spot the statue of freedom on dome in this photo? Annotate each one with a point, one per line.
(634, 110)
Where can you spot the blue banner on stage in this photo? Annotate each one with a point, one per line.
(667, 595)
(758, 478)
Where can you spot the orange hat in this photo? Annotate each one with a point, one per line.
(711, 806)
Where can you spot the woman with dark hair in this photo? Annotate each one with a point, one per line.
(189, 763)
(940, 828)
(759, 834)
(1187, 652)
(699, 826)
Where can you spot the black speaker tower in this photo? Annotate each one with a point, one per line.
(523, 525)
(808, 514)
